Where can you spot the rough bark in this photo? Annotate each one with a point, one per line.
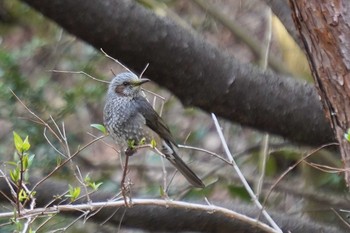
(324, 27)
(158, 218)
(195, 71)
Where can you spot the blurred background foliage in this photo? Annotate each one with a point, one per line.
(32, 46)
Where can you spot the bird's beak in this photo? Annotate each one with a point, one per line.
(141, 81)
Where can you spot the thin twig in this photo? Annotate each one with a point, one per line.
(79, 72)
(20, 183)
(115, 60)
(64, 137)
(81, 181)
(125, 188)
(241, 176)
(50, 217)
(155, 94)
(51, 144)
(294, 165)
(13, 192)
(266, 50)
(64, 229)
(325, 168)
(265, 149)
(58, 128)
(26, 224)
(99, 209)
(263, 160)
(121, 220)
(111, 216)
(166, 185)
(144, 70)
(252, 149)
(67, 160)
(36, 116)
(206, 151)
(341, 218)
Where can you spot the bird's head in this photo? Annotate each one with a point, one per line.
(126, 84)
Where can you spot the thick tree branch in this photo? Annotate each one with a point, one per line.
(196, 72)
(172, 217)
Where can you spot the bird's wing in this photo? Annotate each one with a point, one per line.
(156, 123)
(153, 120)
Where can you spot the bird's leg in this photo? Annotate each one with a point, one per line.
(130, 150)
(125, 186)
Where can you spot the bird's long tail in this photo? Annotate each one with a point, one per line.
(181, 166)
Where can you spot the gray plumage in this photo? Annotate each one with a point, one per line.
(128, 116)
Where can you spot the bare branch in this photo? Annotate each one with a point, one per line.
(241, 176)
(79, 72)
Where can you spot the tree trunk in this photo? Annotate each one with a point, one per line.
(324, 27)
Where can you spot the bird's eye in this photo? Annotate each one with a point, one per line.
(125, 83)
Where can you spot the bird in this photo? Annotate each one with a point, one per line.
(131, 121)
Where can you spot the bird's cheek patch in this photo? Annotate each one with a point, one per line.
(119, 90)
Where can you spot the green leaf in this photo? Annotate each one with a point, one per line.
(87, 179)
(239, 191)
(142, 141)
(22, 196)
(131, 144)
(347, 135)
(30, 160)
(100, 128)
(153, 143)
(18, 142)
(19, 225)
(76, 192)
(26, 144)
(73, 193)
(95, 186)
(14, 174)
(12, 163)
(91, 184)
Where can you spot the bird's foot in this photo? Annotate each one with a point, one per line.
(130, 151)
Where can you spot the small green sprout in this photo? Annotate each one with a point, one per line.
(73, 193)
(100, 128)
(21, 146)
(91, 183)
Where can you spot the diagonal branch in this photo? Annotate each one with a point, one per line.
(198, 73)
